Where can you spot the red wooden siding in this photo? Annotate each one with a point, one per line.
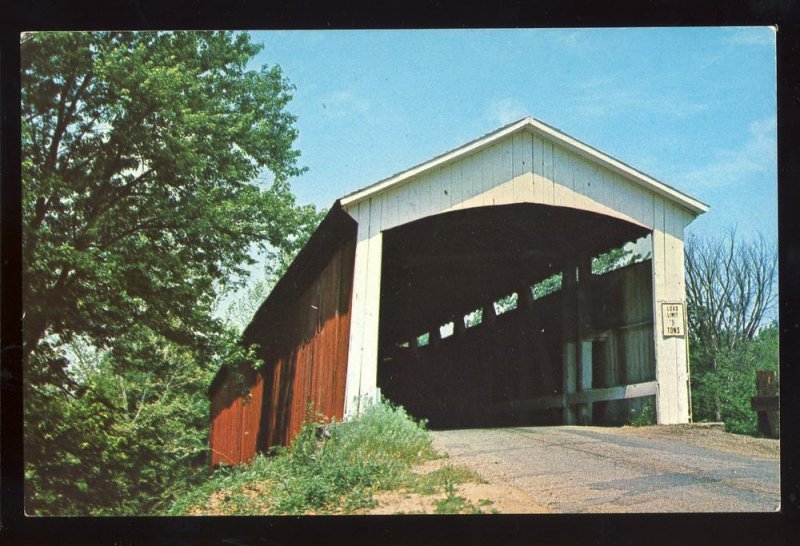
(303, 332)
(310, 364)
(235, 416)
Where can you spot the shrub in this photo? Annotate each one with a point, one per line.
(722, 388)
(645, 415)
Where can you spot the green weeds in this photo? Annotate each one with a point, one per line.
(332, 475)
(645, 415)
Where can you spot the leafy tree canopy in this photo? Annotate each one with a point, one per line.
(139, 151)
(142, 155)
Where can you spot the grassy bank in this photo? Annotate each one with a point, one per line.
(338, 473)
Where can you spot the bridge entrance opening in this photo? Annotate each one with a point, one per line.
(504, 315)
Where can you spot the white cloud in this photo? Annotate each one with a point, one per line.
(506, 110)
(344, 103)
(601, 98)
(730, 167)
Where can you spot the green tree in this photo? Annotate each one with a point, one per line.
(730, 288)
(155, 164)
(723, 393)
(731, 293)
(614, 259)
(132, 434)
(138, 151)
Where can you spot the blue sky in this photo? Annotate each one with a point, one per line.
(694, 108)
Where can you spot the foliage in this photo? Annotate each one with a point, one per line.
(139, 148)
(155, 164)
(442, 479)
(547, 286)
(372, 452)
(452, 503)
(644, 415)
(614, 259)
(730, 291)
(243, 305)
(506, 303)
(473, 318)
(724, 381)
(133, 429)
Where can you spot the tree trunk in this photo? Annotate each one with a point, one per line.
(717, 409)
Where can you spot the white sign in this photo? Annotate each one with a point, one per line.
(672, 319)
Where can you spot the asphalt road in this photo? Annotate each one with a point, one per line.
(594, 469)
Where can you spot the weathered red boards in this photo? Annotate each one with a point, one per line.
(302, 333)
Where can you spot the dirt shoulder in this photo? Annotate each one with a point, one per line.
(488, 497)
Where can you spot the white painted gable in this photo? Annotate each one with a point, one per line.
(524, 162)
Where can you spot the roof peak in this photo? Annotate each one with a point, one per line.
(543, 130)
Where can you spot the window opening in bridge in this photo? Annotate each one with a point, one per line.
(446, 330)
(628, 254)
(506, 304)
(424, 339)
(547, 286)
(474, 318)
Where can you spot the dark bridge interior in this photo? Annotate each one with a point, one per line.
(439, 269)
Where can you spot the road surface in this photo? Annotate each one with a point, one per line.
(597, 469)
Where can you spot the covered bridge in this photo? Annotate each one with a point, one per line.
(463, 290)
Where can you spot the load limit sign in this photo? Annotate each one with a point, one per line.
(672, 319)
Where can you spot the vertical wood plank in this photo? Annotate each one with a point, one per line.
(485, 179)
(457, 185)
(676, 291)
(594, 188)
(390, 207)
(437, 183)
(563, 183)
(518, 167)
(586, 379)
(465, 193)
(542, 188)
(506, 194)
(670, 352)
(358, 314)
(369, 362)
(446, 195)
(424, 185)
(492, 194)
(406, 205)
(526, 181)
(570, 380)
(477, 168)
(581, 173)
(546, 183)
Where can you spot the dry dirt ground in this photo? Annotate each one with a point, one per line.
(491, 497)
(710, 438)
